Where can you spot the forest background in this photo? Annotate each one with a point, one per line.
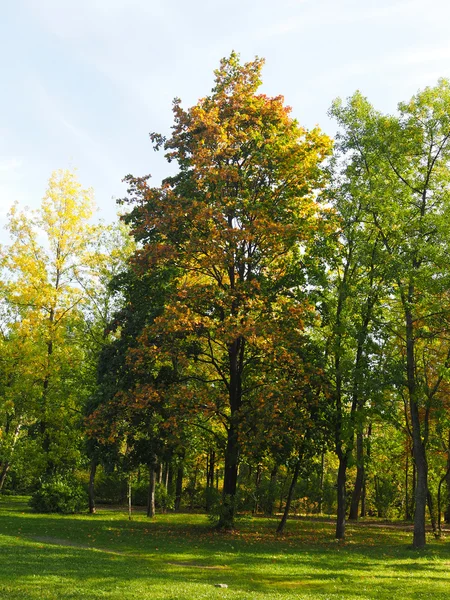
(268, 327)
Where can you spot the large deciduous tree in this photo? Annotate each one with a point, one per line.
(403, 164)
(49, 246)
(235, 221)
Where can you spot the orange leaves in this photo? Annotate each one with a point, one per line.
(232, 225)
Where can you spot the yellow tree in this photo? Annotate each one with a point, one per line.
(40, 267)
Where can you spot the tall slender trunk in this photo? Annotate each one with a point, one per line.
(357, 490)
(179, 486)
(272, 491)
(192, 486)
(129, 497)
(166, 475)
(159, 472)
(236, 361)
(257, 485)
(364, 487)
(363, 498)
(447, 481)
(282, 486)
(7, 463)
(419, 451)
(3, 473)
(290, 495)
(407, 513)
(91, 492)
(432, 515)
(230, 478)
(151, 491)
(210, 466)
(322, 474)
(413, 488)
(341, 497)
(170, 478)
(439, 500)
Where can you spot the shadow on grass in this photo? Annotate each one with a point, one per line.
(100, 554)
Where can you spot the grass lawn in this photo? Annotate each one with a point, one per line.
(178, 557)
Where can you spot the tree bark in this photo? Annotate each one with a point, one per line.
(4, 471)
(357, 490)
(407, 513)
(322, 473)
(151, 491)
(129, 497)
(341, 497)
(290, 495)
(447, 481)
(226, 520)
(419, 451)
(179, 487)
(257, 484)
(91, 492)
(235, 361)
(432, 515)
(364, 487)
(272, 490)
(7, 464)
(363, 498)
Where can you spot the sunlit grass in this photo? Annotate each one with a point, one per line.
(179, 557)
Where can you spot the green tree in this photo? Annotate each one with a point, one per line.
(403, 163)
(40, 267)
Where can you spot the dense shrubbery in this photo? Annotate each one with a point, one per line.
(59, 495)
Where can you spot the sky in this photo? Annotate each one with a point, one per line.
(83, 82)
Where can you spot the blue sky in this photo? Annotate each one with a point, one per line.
(85, 81)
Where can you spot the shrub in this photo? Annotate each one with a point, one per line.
(59, 495)
(163, 499)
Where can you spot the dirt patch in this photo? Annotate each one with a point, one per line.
(198, 566)
(68, 543)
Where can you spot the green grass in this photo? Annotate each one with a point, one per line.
(178, 557)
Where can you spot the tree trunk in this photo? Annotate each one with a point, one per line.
(322, 473)
(364, 488)
(129, 498)
(447, 481)
(357, 490)
(7, 464)
(282, 486)
(363, 498)
(226, 520)
(290, 495)
(236, 351)
(166, 475)
(3, 473)
(151, 491)
(170, 479)
(272, 491)
(91, 492)
(179, 487)
(407, 513)
(257, 484)
(210, 466)
(421, 482)
(439, 500)
(192, 487)
(341, 497)
(419, 452)
(432, 515)
(159, 472)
